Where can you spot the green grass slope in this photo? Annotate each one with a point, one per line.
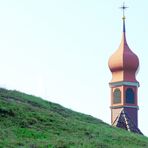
(30, 122)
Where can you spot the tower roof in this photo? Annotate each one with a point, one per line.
(123, 59)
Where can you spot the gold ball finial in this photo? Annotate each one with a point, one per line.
(123, 17)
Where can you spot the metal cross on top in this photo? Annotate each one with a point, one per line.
(123, 7)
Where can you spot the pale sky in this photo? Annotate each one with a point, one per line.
(59, 50)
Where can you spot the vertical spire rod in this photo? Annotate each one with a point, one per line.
(124, 30)
(123, 7)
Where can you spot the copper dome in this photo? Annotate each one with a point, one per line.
(123, 59)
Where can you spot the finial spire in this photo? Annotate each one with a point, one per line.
(123, 7)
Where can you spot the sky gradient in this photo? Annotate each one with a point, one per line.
(59, 50)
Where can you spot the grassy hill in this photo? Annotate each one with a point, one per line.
(31, 122)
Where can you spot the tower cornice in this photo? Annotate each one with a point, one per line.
(124, 106)
(125, 83)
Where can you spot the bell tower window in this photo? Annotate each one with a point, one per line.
(117, 96)
(130, 96)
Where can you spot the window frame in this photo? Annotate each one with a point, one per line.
(117, 96)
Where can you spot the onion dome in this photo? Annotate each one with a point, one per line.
(124, 61)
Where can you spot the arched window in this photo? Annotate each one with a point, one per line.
(117, 96)
(130, 96)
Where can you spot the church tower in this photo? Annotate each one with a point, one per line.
(124, 65)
